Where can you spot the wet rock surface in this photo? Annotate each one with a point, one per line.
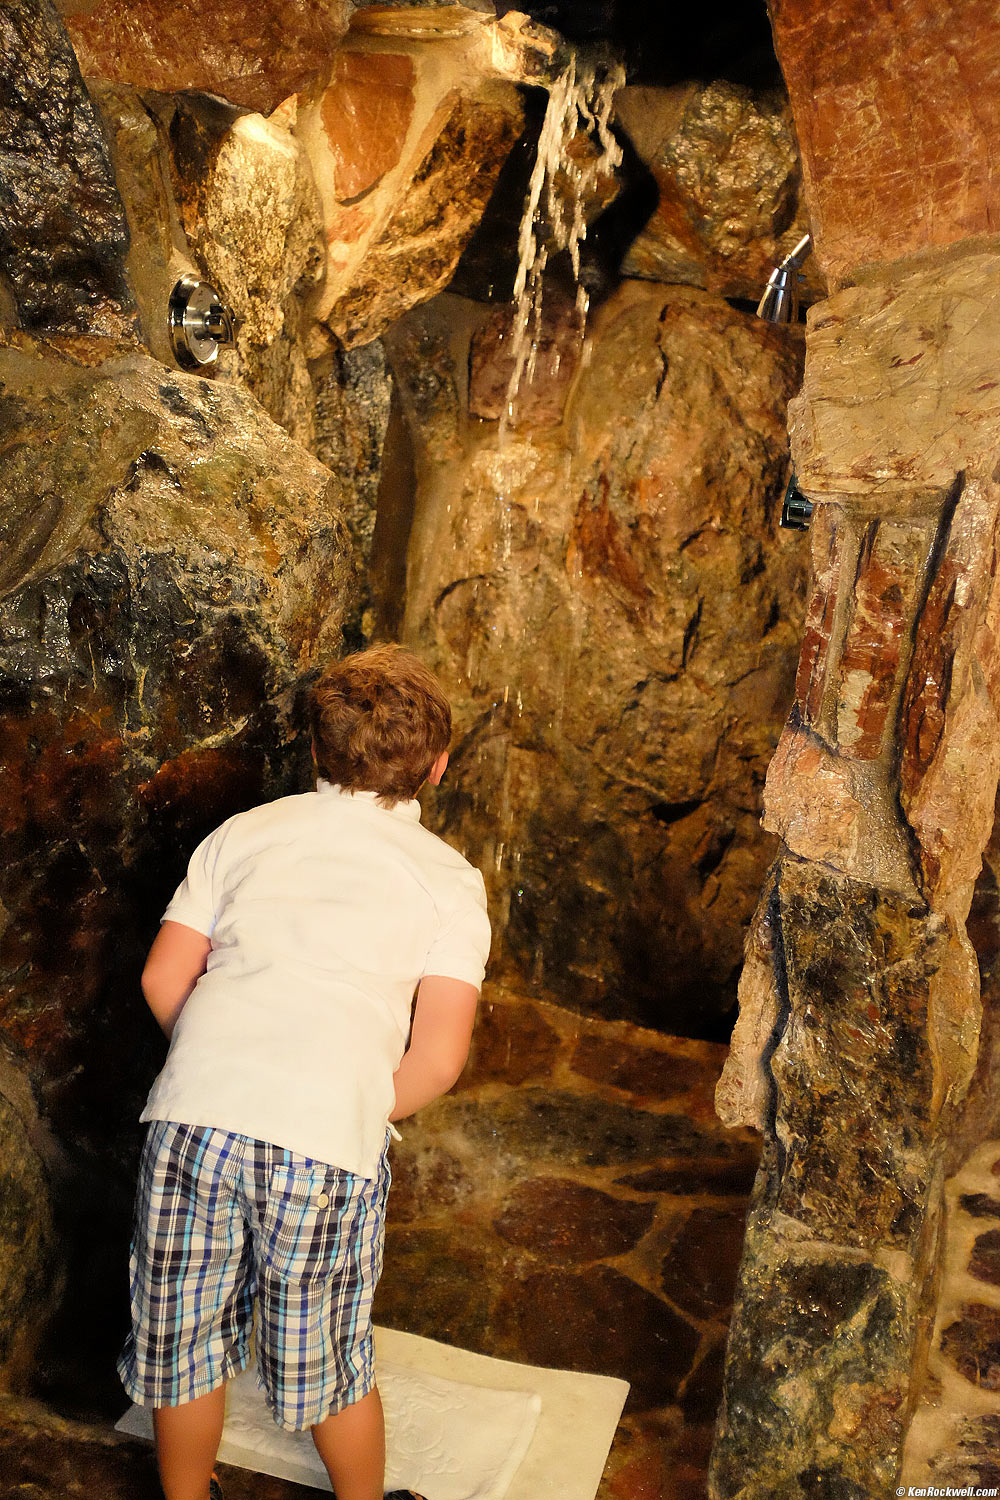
(726, 168)
(29, 1258)
(406, 143)
(63, 234)
(43, 1458)
(615, 614)
(173, 564)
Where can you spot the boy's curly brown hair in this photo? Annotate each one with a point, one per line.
(379, 721)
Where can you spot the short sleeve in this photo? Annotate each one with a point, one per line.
(195, 902)
(462, 945)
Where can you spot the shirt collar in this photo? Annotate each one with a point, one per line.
(409, 809)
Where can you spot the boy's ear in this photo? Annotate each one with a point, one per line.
(438, 769)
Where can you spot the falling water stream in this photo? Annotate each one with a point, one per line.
(554, 217)
(554, 221)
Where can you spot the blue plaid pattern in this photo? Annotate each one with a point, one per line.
(225, 1223)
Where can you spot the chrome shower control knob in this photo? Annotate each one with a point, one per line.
(199, 322)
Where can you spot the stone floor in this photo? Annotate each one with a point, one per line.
(574, 1203)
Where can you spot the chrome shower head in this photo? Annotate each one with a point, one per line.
(780, 302)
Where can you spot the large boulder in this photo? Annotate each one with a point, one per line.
(173, 565)
(896, 108)
(63, 234)
(406, 140)
(615, 614)
(726, 166)
(251, 53)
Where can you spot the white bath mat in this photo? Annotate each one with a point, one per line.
(459, 1426)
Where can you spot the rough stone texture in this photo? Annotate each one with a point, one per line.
(543, 392)
(813, 1377)
(973, 1345)
(63, 235)
(254, 52)
(29, 1261)
(549, 1214)
(847, 1081)
(406, 143)
(43, 1457)
(896, 110)
(727, 170)
(950, 724)
(251, 214)
(615, 614)
(901, 390)
(158, 253)
(172, 565)
(862, 1018)
(353, 396)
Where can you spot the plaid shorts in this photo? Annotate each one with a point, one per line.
(224, 1222)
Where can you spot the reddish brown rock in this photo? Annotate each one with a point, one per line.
(708, 1178)
(950, 722)
(568, 1222)
(406, 142)
(972, 1345)
(367, 110)
(254, 52)
(827, 563)
(699, 1270)
(611, 780)
(546, 382)
(43, 1457)
(597, 1320)
(512, 1044)
(889, 566)
(433, 1284)
(985, 1262)
(641, 1070)
(980, 1205)
(702, 1391)
(897, 115)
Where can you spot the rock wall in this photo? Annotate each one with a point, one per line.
(615, 614)
(859, 1004)
(174, 564)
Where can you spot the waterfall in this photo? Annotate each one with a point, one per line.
(554, 219)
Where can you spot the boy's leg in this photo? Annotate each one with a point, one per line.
(187, 1441)
(351, 1444)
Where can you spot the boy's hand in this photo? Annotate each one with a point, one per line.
(176, 962)
(439, 1043)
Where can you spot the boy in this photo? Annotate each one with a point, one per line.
(283, 975)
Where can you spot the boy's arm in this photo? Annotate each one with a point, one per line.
(176, 962)
(439, 1043)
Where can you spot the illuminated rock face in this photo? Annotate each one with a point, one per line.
(729, 199)
(406, 144)
(250, 52)
(615, 613)
(860, 1015)
(897, 111)
(173, 564)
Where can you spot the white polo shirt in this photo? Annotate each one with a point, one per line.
(325, 910)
